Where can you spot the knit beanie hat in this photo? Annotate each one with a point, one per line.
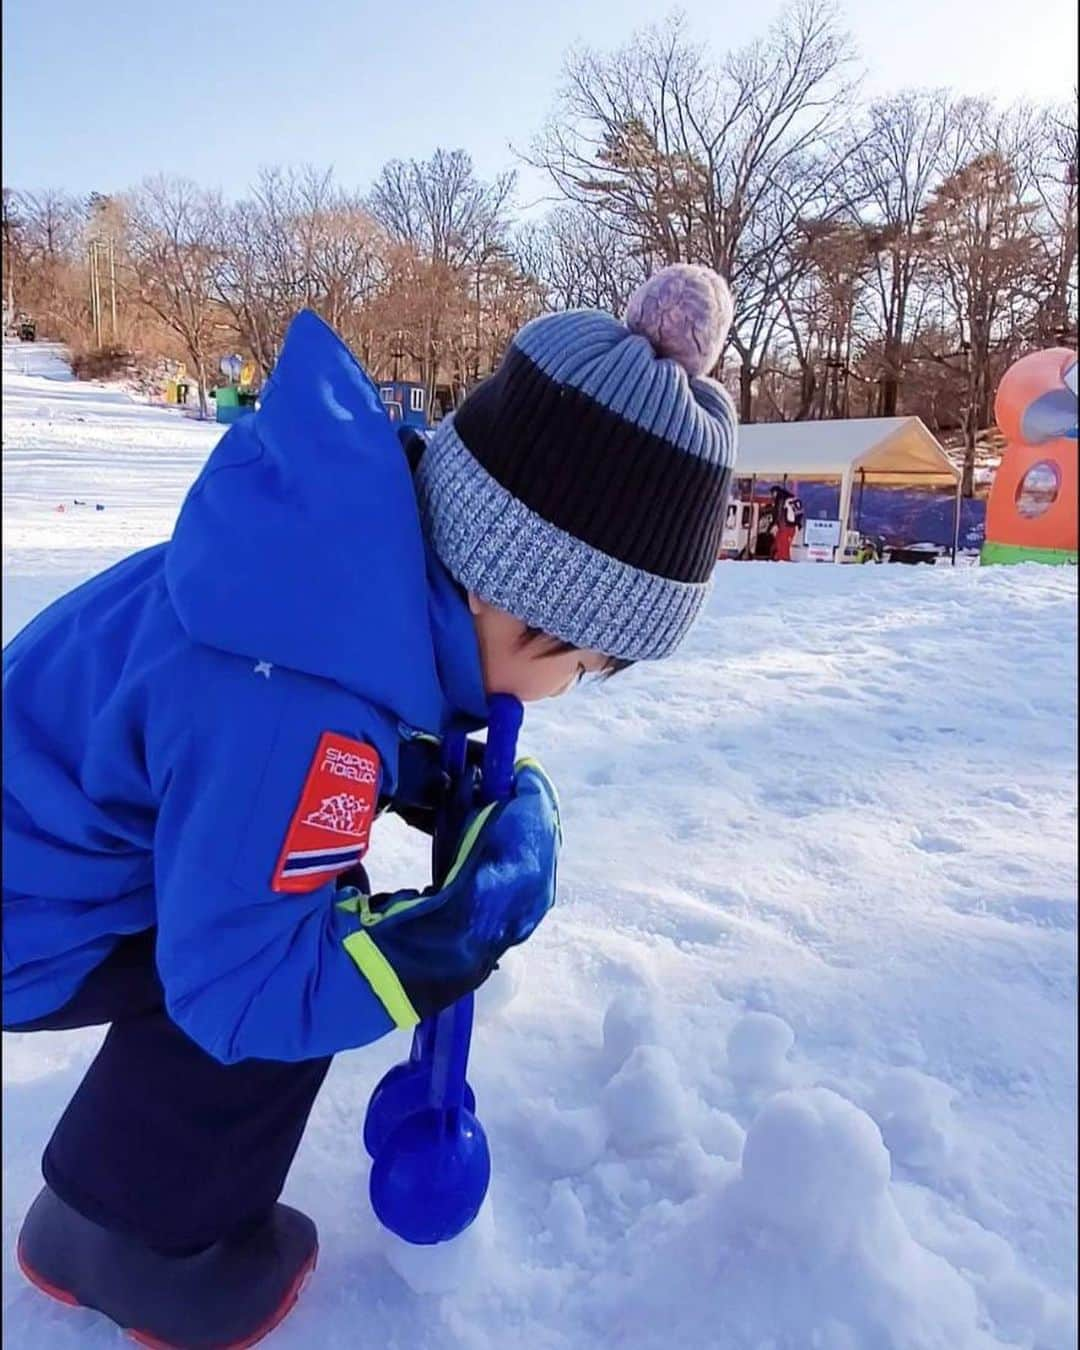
(582, 487)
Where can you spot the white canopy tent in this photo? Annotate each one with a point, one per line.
(879, 451)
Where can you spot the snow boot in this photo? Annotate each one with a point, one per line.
(225, 1297)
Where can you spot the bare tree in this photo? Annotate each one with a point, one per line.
(905, 150)
(13, 250)
(54, 221)
(501, 298)
(985, 255)
(172, 261)
(440, 208)
(298, 241)
(242, 282)
(820, 311)
(1056, 184)
(690, 162)
(43, 247)
(451, 223)
(578, 260)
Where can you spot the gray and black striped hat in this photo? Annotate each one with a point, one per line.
(582, 488)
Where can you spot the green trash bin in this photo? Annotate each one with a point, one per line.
(227, 400)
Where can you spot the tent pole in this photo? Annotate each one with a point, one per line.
(845, 512)
(751, 542)
(858, 507)
(956, 521)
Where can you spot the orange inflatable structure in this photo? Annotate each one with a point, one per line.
(1031, 515)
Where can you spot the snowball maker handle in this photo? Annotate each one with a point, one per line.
(447, 1044)
(430, 1159)
(505, 716)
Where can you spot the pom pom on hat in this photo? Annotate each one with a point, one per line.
(685, 311)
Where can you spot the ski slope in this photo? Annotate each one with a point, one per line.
(792, 1064)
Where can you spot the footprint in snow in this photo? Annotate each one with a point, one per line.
(938, 843)
(1035, 911)
(837, 691)
(1008, 796)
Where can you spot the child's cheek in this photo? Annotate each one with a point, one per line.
(527, 676)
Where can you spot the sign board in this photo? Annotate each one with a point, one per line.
(819, 553)
(821, 533)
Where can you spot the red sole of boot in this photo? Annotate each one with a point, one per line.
(154, 1342)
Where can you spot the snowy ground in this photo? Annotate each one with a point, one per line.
(792, 1066)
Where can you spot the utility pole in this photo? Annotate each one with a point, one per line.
(112, 285)
(100, 253)
(95, 292)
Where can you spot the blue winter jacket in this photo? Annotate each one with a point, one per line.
(161, 719)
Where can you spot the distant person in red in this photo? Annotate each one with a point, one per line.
(788, 513)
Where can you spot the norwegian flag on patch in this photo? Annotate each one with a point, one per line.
(329, 831)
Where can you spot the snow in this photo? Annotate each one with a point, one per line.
(645, 1102)
(792, 1064)
(758, 1048)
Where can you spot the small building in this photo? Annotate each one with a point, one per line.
(405, 402)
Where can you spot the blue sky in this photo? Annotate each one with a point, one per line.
(98, 97)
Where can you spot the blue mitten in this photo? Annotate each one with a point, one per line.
(444, 942)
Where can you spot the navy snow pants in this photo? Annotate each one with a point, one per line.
(161, 1141)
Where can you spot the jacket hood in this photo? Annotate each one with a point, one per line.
(300, 544)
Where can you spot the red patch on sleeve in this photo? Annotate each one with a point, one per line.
(329, 832)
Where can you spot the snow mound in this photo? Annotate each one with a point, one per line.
(568, 1142)
(631, 1020)
(645, 1102)
(567, 1224)
(804, 1246)
(757, 1049)
(813, 1168)
(807, 1247)
(915, 1114)
(721, 1134)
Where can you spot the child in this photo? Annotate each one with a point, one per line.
(198, 739)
